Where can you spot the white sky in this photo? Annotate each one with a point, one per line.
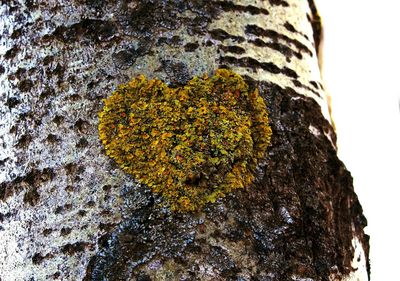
(361, 72)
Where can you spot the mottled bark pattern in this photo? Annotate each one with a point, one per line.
(67, 212)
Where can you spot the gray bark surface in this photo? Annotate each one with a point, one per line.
(67, 212)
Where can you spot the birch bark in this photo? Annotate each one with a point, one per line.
(67, 212)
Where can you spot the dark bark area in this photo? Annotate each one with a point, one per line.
(295, 221)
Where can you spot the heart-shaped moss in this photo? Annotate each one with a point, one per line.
(191, 144)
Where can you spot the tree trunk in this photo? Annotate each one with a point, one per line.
(67, 212)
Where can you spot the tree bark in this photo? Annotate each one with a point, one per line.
(67, 212)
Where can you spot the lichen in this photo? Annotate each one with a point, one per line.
(192, 144)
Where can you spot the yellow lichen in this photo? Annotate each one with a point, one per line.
(191, 144)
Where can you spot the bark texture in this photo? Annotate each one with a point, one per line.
(67, 212)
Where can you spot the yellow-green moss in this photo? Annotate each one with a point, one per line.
(191, 144)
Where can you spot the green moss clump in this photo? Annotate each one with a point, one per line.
(191, 144)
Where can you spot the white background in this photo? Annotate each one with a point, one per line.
(361, 70)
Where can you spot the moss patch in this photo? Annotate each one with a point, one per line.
(191, 144)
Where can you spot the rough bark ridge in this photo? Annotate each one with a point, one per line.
(68, 213)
